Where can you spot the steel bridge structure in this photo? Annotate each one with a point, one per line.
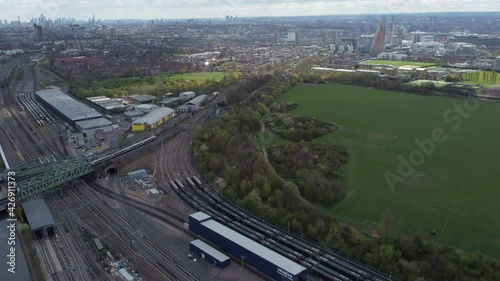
(45, 173)
(48, 172)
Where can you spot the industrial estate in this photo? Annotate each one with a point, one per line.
(300, 148)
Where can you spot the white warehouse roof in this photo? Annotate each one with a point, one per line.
(154, 116)
(188, 93)
(209, 250)
(125, 275)
(96, 98)
(93, 123)
(197, 101)
(200, 216)
(146, 106)
(67, 105)
(254, 247)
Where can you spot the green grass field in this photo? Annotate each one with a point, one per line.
(455, 191)
(176, 78)
(399, 63)
(198, 76)
(487, 78)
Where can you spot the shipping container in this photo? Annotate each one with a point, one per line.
(208, 253)
(251, 253)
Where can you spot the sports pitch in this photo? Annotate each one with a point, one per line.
(452, 186)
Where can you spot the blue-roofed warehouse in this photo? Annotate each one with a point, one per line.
(254, 254)
(209, 254)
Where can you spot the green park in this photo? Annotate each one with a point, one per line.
(419, 165)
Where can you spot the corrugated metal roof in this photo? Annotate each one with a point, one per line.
(154, 116)
(137, 172)
(200, 216)
(133, 113)
(96, 98)
(197, 101)
(188, 93)
(124, 273)
(107, 102)
(38, 214)
(169, 100)
(209, 250)
(93, 123)
(146, 106)
(67, 105)
(98, 244)
(254, 247)
(143, 98)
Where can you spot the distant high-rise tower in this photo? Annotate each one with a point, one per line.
(433, 21)
(379, 40)
(38, 34)
(42, 19)
(336, 37)
(324, 38)
(277, 36)
(298, 39)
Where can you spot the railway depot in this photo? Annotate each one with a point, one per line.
(254, 254)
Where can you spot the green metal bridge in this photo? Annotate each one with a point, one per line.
(45, 173)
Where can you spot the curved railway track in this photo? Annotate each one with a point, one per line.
(151, 210)
(318, 260)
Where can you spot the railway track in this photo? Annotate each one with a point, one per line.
(157, 258)
(21, 140)
(318, 260)
(46, 258)
(69, 245)
(77, 255)
(151, 210)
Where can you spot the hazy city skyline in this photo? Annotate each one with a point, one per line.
(169, 9)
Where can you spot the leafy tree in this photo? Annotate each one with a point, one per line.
(232, 176)
(234, 75)
(261, 108)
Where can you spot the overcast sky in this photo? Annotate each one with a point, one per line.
(181, 9)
